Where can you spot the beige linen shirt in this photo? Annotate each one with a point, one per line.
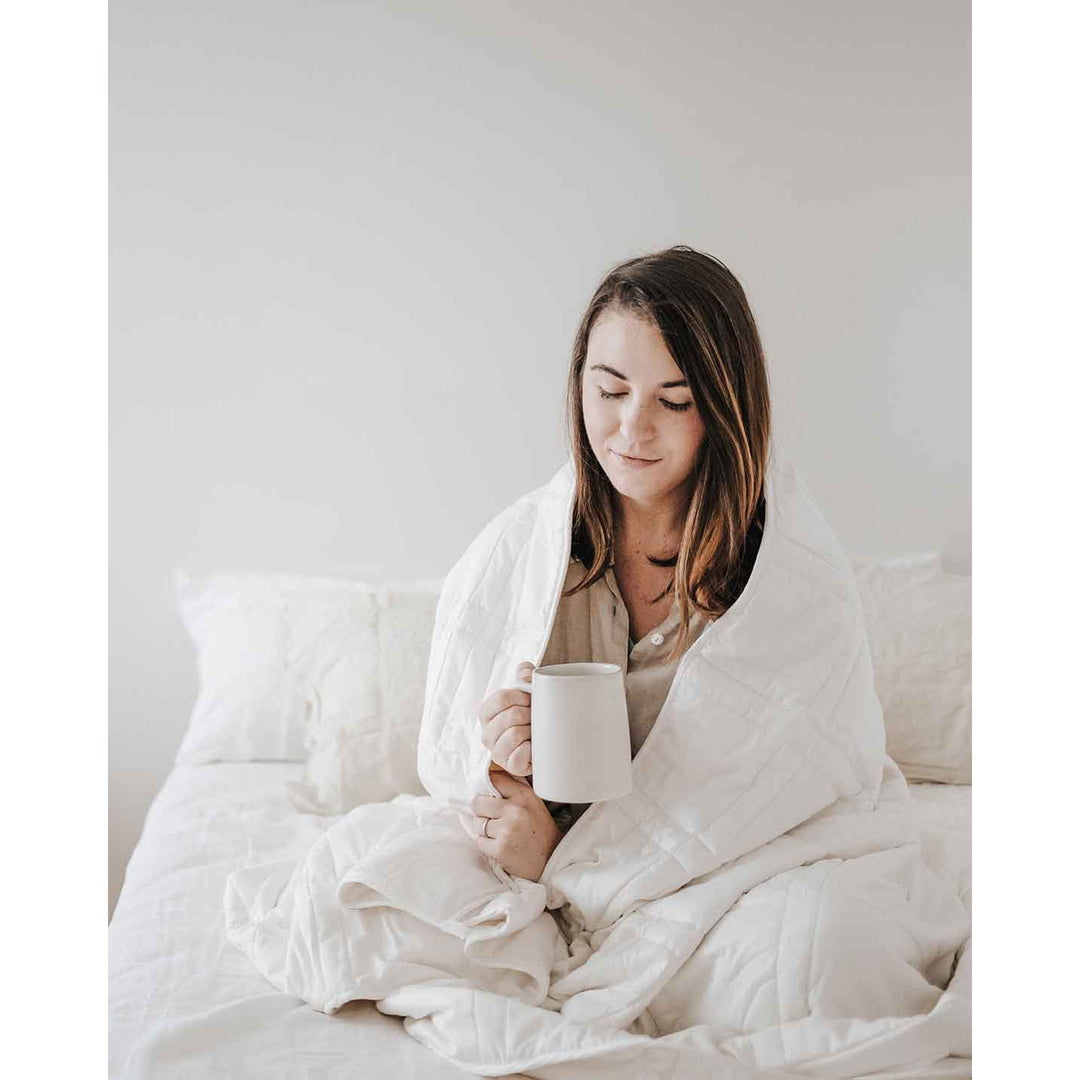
(594, 624)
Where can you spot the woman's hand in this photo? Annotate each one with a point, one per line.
(506, 725)
(521, 833)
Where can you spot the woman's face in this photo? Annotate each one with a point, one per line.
(643, 418)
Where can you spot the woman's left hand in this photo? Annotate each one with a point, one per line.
(521, 833)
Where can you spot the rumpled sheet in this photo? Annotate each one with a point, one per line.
(183, 1002)
(759, 904)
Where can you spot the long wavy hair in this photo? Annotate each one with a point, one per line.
(702, 312)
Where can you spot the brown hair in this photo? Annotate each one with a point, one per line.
(703, 315)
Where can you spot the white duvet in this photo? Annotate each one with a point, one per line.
(759, 903)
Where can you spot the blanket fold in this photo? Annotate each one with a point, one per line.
(759, 903)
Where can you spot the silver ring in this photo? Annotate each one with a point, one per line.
(483, 831)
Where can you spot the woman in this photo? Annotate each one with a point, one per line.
(669, 424)
(759, 901)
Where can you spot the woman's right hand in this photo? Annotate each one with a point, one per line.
(506, 725)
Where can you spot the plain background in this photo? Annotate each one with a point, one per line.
(350, 243)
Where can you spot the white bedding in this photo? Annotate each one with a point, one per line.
(184, 1002)
(766, 900)
(759, 902)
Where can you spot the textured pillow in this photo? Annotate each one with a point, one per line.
(918, 623)
(369, 701)
(880, 579)
(280, 658)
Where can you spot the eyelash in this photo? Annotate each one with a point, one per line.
(670, 404)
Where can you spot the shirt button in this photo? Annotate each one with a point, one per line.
(657, 639)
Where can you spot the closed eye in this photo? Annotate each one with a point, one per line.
(670, 404)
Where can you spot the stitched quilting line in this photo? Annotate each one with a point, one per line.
(452, 624)
(479, 622)
(747, 789)
(651, 841)
(902, 1024)
(818, 718)
(889, 917)
(837, 567)
(806, 755)
(466, 644)
(779, 946)
(822, 886)
(675, 852)
(812, 709)
(658, 810)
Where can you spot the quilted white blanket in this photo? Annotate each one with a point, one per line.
(759, 904)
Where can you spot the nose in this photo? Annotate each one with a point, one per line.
(636, 426)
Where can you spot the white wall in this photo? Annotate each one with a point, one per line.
(350, 244)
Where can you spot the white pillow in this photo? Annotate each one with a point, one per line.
(369, 703)
(918, 624)
(274, 651)
(879, 579)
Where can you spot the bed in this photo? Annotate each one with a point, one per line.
(273, 756)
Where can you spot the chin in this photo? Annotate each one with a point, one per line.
(645, 480)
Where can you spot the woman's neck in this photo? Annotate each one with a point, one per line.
(645, 529)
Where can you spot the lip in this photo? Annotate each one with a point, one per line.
(634, 463)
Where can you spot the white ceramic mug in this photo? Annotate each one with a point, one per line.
(580, 732)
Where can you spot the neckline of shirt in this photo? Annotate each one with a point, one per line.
(672, 616)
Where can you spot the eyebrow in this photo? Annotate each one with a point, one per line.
(620, 375)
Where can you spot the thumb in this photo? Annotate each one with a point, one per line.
(510, 787)
(524, 670)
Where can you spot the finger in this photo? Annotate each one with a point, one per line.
(509, 719)
(488, 846)
(510, 787)
(519, 761)
(508, 747)
(515, 716)
(487, 806)
(481, 823)
(524, 670)
(514, 790)
(499, 702)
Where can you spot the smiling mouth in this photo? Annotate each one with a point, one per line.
(627, 457)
